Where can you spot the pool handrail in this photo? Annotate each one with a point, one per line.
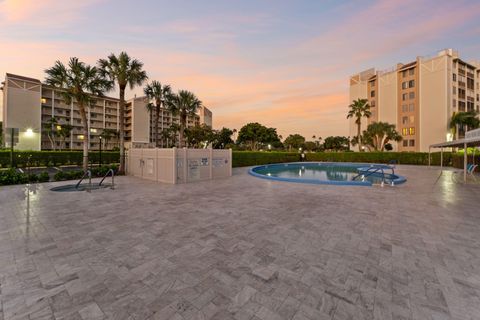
(88, 174)
(106, 175)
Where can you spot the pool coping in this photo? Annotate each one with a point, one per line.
(397, 181)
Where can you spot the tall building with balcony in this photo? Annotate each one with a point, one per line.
(419, 97)
(29, 106)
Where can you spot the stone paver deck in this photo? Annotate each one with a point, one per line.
(243, 248)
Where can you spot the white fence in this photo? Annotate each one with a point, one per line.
(179, 165)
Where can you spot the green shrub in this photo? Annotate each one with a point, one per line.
(251, 158)
(12, 176)
(43, 177)
(54, 158)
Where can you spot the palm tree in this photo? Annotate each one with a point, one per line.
(107, 135)
(50, 128)
(78, 82)
(185, 104)
(359, 109)
(123, 70)
(65, 132)
(464, 121)
(158, 93)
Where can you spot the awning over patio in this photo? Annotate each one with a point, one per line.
(472, 139)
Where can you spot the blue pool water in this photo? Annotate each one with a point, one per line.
(329, 173)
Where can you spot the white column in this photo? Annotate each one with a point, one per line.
(104, 112)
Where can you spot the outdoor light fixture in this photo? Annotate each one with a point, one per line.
(449, 136)
(29, 132)
(59, 127)
(269, 147)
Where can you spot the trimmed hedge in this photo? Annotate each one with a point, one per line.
(251, 158)
(12, 176)
(77, 174)
(55, 158)
(415, 158)
(457, 161)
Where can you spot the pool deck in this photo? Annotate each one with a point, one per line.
(243, 248)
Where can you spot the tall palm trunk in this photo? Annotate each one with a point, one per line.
(86, 140)
(359, 129)
(121, 110)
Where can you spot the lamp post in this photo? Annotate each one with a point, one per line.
(100, 154)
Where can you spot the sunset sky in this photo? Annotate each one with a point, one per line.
(281, 63)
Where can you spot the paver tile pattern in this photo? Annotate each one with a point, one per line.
(243, 248)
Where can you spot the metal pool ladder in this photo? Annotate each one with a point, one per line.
(86, 174)
(372, 170)
(106, 175)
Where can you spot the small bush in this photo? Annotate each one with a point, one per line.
(54, 158)
(12, 176)
(43, 177)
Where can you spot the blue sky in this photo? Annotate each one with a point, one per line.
(282, 63)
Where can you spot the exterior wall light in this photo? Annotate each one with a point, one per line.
(29, 132)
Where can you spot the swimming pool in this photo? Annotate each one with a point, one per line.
(357, 174)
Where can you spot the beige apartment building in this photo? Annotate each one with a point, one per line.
(419, 97)
(28, 105)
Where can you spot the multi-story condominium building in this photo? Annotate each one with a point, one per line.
(419, 97)
(139, 117)
(29, 106)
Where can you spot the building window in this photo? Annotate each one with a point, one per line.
(454, 77)
(405, 131)
(411, 107)
(411, 83)
(404, 85)
(411, 72)
(372, 103)
(412, 95)
(404, 120)
(404, 96)
(405, 143)
(404, 73)
(412, 143)
(372, 93)
(454, 89)
(404, 108)
(44, 100)
(411, 131)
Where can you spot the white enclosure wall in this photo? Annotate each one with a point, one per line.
(179, 165)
